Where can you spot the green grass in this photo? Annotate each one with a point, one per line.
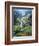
(27, 31)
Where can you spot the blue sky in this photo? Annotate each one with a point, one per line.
(23, 11)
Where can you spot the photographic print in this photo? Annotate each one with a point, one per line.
(22, 18)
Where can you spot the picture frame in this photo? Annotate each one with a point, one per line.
(11, 11)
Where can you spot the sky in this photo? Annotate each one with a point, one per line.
(23, 11)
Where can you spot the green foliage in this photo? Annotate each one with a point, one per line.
(26, 19)
(27, 29)
(17, 28)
